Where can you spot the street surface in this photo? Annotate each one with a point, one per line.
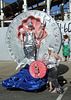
(7, 69)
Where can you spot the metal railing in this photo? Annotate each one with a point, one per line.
(56, 14)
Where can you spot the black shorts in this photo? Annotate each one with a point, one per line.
(52, 74)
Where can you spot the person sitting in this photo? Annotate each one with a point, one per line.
(51, 61)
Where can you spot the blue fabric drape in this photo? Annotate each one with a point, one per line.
(24, 80)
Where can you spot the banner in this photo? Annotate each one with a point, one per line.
(65, 26)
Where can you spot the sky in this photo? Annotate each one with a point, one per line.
(52, 9)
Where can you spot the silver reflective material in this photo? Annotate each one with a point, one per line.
(14, 46)
(29, 46)
(30, 24)
(29, 38)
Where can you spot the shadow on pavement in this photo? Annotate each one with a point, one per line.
(62, 69)
(33, 91)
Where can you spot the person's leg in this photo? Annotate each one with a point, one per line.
(54, 91)
(68, 52)
(50, 85)
(64, 58)
(55, 82)
(67, 58)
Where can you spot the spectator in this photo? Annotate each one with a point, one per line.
(66, 46)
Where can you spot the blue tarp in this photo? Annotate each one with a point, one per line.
(9, 1)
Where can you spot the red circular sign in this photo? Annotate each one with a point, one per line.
(37, 69)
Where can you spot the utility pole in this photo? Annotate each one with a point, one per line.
(70, 8)
(25, 5)
(62, 11)
(48, 7)
(2, 14)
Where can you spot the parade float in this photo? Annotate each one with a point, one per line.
(33, 75)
